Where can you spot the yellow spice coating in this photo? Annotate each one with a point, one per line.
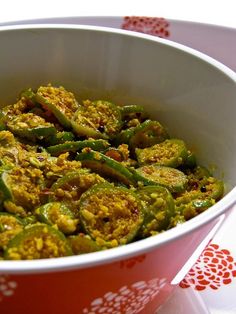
(61, 98)
(111, 215)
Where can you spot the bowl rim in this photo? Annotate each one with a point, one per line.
(141, 246)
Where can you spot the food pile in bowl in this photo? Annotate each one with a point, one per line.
(82, 177)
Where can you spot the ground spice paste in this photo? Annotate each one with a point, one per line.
(82, 177)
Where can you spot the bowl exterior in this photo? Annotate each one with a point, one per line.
(140, 284)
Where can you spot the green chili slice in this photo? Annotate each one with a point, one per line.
(170, 153)
(60, 102)
(171, 178)
(74, 146)
(83, 243)
(10, 225)
(37, 241)
(60, 138)
(97, 119)
(111, 215)
(159, 207)
(56, 213)
(30, 126)
(106, 166)
(70, 187)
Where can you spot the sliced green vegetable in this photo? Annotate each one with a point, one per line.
(60, 138)
(30, 126)
(111, 215)
(10, 225)
(70, 187)
(5, 189)
(148, 134)
(106, 166)
(74, 146)
(29, 94)
(83, 243)
(171, 178)
(144, 135)
(22, 186)
(37, 242)
(158, 206)
(171, 153)
(60, 102)
(192, 203)
(56, 213)
(129, 109)
(97, 119)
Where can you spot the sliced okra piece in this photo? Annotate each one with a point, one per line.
(70, 187)
(37, 241)
(97, 119)
(30, 126)
(56, 213)
(10, 225)
(60, 102)
(110, 215)
(74, 146)
(106, 166)
(170, 153)
(82, 243)
(171, 178)
(159, 207)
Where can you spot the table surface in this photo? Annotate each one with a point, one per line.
(206, 11)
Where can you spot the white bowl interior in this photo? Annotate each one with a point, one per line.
(193, 95)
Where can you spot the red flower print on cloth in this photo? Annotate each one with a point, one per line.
(7, 287)
(128, 299)
(214, 268)
(156, 26)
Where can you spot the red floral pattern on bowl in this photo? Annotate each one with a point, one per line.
(214, 268)
(156, 26)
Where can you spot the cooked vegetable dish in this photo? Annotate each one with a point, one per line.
(77, 177)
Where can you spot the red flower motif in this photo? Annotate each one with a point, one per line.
(214, 268)
(156, 26)
(131, 262)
